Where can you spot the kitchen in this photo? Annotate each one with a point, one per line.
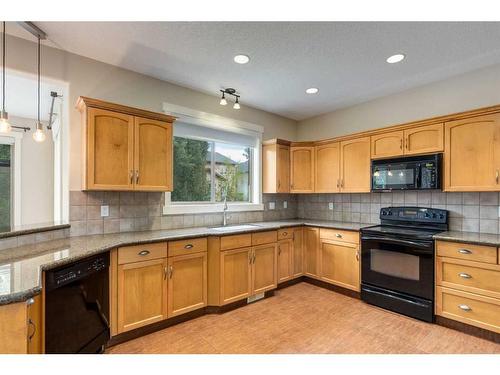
(174, 215)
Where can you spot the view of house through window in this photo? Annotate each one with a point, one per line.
(5, 187)
(207, 171)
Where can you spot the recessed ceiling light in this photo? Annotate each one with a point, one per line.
(395, 58)
(312, 90)
(241, 59)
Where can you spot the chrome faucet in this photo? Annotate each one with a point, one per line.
(224, 212)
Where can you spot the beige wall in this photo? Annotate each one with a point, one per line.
(95, 79)
(480, 88)
(37, 176)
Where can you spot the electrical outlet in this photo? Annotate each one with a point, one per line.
(330, 205)
(104, 211)
(272, 205)
(285, 204)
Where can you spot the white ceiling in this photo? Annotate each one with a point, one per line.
(345, 60)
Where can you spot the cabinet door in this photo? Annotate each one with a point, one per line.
(302, 169)
(355, 165)
(235, 274)
(153, 155)
(110, 145)
(264, 268)
(311, 252)
(340, 264)
(35, 334)
(283, 169)
(424, 139)
(472, 154)
(327, 171)
(142, 293)
(187, 283)
(298, 253)
(285, 260)
(387, 144)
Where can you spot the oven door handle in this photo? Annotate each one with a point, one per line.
(419, 244)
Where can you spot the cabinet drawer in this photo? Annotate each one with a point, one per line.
(137, 253)
(477, 253)
(235, 241)
(339, 235)
(483, 312)
(285, 234)
(183, 247)
(261, 238)
(469, 276)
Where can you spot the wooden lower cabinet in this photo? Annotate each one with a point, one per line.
(235, 274)
(187, 283)
(142, 293)
(298, 252)
(264, 268)
(285, 260)
(311, 252)
(340, 264)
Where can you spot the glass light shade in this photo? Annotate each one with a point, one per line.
(223, 101)
(39, 135)
(5, 126)
(236, 105)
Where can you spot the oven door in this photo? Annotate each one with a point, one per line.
(400, 265)
(395, 176)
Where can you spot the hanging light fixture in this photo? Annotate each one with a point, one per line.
(38, 135)
(232, 92)
(5, 127)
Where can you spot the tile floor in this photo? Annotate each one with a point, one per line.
(307, 319)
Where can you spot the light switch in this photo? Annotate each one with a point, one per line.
(104, 211)
(330, 205)
(285, 204)
(272, 205)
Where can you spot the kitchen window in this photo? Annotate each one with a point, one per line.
(5, 187)
(214, 159)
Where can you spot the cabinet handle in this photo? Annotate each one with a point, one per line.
(464, 251)
(357, 255)
(188, 246)
(465, 307)
(131, 177)
(464, 275)
(401, 144)
(137, 176)
(406, 142)
(171, 272)
(496, 177)
(279, 250)
(143, 253)
(279, 184)
(250, 258)
(253, 258)
(30, 322)
(165, 272)
(338, 235)
(338, 183)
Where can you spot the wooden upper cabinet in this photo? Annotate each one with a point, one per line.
(424, 139)
(472, 154)
(355, 165)
(276, 167)
(387, 145)
(110, 145)
(302, 169)
(125, 148)
(327, 171)
(153, 156)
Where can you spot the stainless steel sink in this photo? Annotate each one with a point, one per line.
(230, 228)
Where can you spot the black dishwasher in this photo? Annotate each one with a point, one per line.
(77, 306)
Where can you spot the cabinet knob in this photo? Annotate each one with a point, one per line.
(188, 246)
(465, 307)
(338, 235)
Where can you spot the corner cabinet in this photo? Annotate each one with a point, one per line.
(472, 154)
(276, 166)
(302, 169)
(125, 148)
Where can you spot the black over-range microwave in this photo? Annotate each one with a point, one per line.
(407, 173)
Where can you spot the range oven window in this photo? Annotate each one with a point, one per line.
(400, 265)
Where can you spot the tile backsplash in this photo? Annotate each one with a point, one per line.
(469, 212)
(136, 211)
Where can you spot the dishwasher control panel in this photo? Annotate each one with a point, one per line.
(76, 271)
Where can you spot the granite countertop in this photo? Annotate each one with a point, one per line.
(469, 237)
(33, 228)
(21, 267)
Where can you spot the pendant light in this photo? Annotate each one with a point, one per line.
(39, 135)
(237, 103)
(5, 127)
(223, 100)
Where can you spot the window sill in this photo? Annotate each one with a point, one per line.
(179, 209)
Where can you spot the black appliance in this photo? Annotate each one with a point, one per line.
(77, 306)
(408, 173)
(397, 260)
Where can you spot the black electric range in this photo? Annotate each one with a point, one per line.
(397, 268)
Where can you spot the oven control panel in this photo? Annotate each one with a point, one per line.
(415, 214)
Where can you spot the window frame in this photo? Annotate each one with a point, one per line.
(208, 120)
(14, 139)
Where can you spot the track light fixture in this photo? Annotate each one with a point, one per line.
(232, 92)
